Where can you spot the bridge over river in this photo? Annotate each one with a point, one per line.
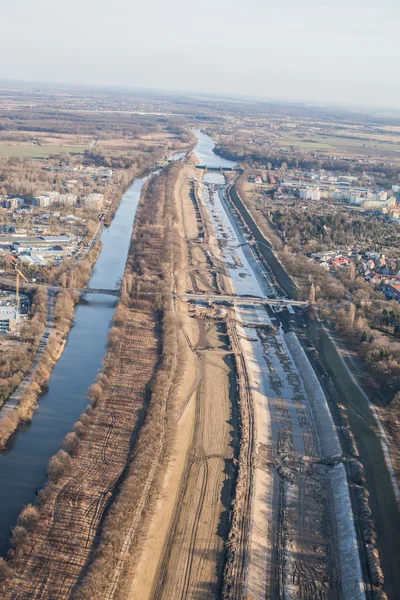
(242, 300)
(219, 169)
(10, 284)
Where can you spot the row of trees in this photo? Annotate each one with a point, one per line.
(149, 266)
(355, 310)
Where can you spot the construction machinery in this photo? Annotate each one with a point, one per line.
(18, 274)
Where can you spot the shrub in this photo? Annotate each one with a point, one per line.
(60, 464)
(71, 443)
(29, 517)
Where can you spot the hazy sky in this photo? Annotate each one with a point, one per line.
(336, 50)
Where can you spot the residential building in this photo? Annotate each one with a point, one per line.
(68, 199)
(310, 194)
(93, 201)
(393, 291)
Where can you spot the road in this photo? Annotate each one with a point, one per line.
(242, 300)
(55, 289)
(13, 401)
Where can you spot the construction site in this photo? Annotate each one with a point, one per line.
(208, 464)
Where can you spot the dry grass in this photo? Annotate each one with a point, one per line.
(108, 454)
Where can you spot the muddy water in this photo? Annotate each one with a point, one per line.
(23, 465)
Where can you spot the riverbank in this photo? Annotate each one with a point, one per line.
(373, 455)
(23, 402)
(98, 450)
(370, 442)
(23, 465)
(287, 421)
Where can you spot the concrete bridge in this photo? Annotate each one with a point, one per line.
(101, 291)
(10, 284)
(245, 300)
(218, 169)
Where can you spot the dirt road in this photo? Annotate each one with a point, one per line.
(182, 555)
(193, 558)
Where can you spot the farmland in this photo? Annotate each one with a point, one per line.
(38, 152)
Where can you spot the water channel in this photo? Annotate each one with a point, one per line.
(23, 465)
(204, 151)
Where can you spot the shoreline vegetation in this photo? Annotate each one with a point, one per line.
(64, 309)
(147, 329)
(76, 276)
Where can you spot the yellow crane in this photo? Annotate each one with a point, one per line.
(18, 272)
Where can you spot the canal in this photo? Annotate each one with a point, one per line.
(23, 464)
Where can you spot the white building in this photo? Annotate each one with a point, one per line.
(310, 194)
(379, 204)
(382, 196)
(43, 201)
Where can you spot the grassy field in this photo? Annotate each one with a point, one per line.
(347, 145)
(32, 151)
(303, 144)
(345, 142)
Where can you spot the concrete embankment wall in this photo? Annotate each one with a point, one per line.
(286, 282)
(326, 430)
(351, 579)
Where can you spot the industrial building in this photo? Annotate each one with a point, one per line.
(9, 317)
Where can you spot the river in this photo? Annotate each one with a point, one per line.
(205, 152)
(23, 465)
(281, 379)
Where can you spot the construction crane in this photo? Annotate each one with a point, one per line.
(18, 272)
